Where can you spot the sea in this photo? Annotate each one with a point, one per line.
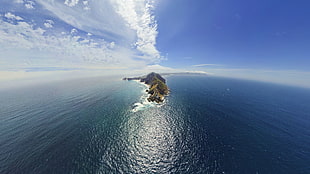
(105, 125)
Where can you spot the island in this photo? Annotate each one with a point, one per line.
(157, 86)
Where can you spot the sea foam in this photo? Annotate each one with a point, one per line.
(143, 102)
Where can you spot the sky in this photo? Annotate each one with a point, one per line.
(266, 40)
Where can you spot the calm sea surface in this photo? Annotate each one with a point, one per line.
(206, 125)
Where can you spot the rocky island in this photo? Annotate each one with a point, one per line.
(157, 86)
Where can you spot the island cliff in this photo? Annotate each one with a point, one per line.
(157, 86)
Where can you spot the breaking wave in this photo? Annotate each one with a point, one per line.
(143, 102)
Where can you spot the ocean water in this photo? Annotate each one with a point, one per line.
(206, 125)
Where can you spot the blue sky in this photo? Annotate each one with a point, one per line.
(270, 34)
(267, 40)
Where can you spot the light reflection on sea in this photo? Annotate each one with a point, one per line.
(201, 128)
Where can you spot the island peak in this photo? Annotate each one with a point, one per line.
(157, 86)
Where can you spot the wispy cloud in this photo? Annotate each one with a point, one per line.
(73, 33)
(18, 1)
(202, 65)
(12, 16)
(26, 43)
(128, 23)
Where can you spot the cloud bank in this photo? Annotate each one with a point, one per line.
(80, 34)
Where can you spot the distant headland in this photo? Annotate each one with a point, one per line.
(157, 86)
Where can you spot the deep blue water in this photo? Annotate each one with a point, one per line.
(207, 125)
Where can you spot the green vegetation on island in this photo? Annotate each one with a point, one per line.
(158, 88)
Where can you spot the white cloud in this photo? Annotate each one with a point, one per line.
(103, 37)
(86, 5)
(23, 45)
(12, 16)
(48, 24)
(71, 3)
(138, 17)
(201, 65)
(198, 72)
(85, 2)
(102, 20)
(131, 21)
(112, 44)
(73, 31)
(29, 5)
